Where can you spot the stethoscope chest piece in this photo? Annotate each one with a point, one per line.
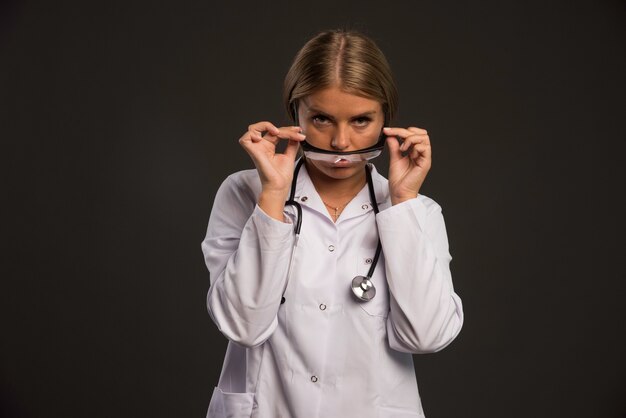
(363, 288)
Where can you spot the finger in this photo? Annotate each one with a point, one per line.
(256, 131)
(417, 130)
(414, 139)
(290, 132)
(262, 127)
(417, 150)
(255, 136)
(246, 139)
(422, 155)
(247, 142)
(403, 133)
(291, 150)
(394, 149)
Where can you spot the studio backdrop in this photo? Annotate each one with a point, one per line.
(119, 121)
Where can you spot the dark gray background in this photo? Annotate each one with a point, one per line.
(119, 121)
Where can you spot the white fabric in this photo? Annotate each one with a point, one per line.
(322, 353)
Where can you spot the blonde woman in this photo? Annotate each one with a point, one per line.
(325, 276)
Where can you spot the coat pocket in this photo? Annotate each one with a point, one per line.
(231, 405)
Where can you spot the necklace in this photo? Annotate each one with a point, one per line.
(336, 209)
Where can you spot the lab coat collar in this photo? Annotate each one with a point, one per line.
(307, 196)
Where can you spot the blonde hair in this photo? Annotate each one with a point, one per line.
(348, 59)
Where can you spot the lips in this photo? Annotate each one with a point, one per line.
(342, 163)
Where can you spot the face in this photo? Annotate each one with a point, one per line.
(335, 120)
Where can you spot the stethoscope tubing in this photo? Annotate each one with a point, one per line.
(379, 247)
(292, 202)
(298, 226)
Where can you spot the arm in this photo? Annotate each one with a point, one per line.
(247, 254)
(425, 313)
(247, 246)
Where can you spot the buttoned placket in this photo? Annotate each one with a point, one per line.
(308, 198)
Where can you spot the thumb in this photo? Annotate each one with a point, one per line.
(291, 150)
(394, 149)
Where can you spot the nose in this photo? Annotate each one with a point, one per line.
(341, 138)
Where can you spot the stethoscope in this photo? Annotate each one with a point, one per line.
(362, 286)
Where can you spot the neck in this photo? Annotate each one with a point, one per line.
(335, 191)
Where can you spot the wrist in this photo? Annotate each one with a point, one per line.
(272, 202)
(396, 200)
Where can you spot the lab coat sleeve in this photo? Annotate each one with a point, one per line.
(425, 313)
(247, 254)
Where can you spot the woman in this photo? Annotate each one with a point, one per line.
(322, 323)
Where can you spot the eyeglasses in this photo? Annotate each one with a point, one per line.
(354, 156)
(333, 157)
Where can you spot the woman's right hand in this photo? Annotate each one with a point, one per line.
(275, 170)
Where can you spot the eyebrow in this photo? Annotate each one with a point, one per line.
(313, 109)
(370, 113)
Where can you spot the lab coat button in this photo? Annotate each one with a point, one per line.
(368, 261)
(314, 379)
(282, 300)
(364, 207)
(322, 307)
(331, 248)
(304, 199)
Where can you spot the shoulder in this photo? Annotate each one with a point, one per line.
(238, 190)
(244, 178)
(245, 182)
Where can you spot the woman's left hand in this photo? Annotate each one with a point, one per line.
(409, 161)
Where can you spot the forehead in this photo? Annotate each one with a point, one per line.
(335, 101)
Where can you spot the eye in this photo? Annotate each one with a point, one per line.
(362, 121)
(320, 120)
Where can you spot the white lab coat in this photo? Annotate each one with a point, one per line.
(321, 353)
